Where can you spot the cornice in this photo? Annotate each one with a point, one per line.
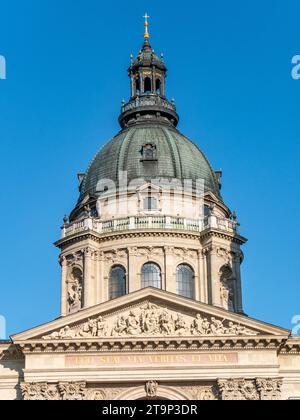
(233, 237)
(99, 238)
(166, 344)
(291, 346)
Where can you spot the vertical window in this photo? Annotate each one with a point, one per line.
(151, 276)
(185, 281)
(147, 85)
(158, 86)
(150, 203)
(137, 87)
(117, 282)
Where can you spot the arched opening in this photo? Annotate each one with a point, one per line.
(117, 282)
(163, 393)
(147, 85)
(137, 87)
(185, 281)
(151, 276)
(158, 86)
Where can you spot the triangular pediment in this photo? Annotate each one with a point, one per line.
(150, 313)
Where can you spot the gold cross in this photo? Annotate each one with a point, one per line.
(146, 35)
(146, 17)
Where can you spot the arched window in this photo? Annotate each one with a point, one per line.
(137, 87)
(158, 86)
(185, 281)
(117, 282)
(147, 85)
(151, 276)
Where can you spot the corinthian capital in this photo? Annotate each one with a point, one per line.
(269, 389)
(238, 389)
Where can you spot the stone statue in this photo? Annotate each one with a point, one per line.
(180, 325)
(75, 290)
(133, 324)
(197, 326)
(227, 297)
(217, 327)
(151, 389)
(121, 327)
(166, 323)
(150, 323)
(206, 326)
(101, 327)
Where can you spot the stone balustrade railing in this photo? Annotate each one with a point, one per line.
(148, 101)
(149, 222)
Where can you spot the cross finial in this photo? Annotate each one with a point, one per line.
(146, 35)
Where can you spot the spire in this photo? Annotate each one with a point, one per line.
(146, 34)
(148, 100)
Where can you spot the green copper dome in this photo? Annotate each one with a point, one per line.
(149, 147)
(175, 157)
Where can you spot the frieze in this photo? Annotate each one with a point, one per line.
(151, 320)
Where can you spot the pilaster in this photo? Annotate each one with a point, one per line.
(64, 286)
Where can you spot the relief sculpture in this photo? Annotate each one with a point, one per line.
(151, 320)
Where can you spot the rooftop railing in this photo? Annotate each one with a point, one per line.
(149, 222)
(148, 101)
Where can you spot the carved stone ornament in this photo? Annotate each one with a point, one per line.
(151, 320)
(225, 389)
(69, 391)
(248, 389)
(151, 389)
(238, 389)
(202, 393)
(72, 391)
(40, 391)
(269, 389)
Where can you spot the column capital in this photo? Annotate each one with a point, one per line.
(88, 252)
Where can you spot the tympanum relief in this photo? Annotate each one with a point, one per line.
(151, 320)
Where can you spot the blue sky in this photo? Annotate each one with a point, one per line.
(230, 73)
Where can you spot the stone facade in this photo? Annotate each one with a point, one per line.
(172, 348)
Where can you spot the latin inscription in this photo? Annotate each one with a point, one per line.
(153, 359)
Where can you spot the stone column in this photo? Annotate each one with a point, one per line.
(64, 286)
(132, 270)
(99, 295)
(201, 279)
(237, 271)
(168, 278)
(102, 294)
(88, 278)
(214, 277)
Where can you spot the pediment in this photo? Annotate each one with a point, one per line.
(149, 313)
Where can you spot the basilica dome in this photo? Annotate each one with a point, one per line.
(149, 146)
(174, 156)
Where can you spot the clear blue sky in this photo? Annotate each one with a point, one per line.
(230, 73)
